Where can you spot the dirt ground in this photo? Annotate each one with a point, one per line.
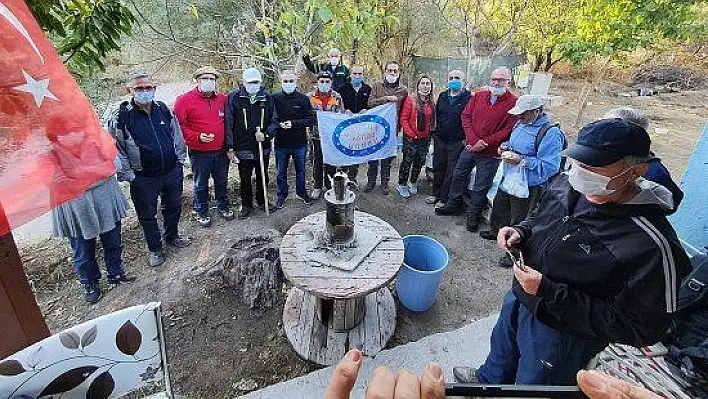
(219, 347)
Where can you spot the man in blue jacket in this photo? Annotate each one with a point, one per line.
(539, 163)
(600, 264)
(152, 151)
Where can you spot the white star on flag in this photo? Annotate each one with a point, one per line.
(39, 89)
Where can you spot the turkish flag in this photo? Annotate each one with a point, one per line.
(52, 144)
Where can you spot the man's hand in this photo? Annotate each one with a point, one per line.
(232, 156)
(529, 278)
(348, 112)
(260, 136)
(479, 146)
(508, 237)
(206, 137)
(511, 157)
(286, 125)
(391, 99)
(386, 384)
(598, 385)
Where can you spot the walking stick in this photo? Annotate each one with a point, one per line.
(263, 177)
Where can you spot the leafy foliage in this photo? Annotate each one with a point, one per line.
(84, 31)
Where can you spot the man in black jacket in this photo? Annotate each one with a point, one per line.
(295, 115)
(603, 264)
(449, 139)
(250, 118)
(334, 65)
(355, 97)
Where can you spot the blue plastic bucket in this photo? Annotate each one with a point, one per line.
(418, 282)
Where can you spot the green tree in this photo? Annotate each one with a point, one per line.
(84, 31)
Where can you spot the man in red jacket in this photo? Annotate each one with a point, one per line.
(487, 124)
(200, 113)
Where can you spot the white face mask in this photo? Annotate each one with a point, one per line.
(252, 88)
(334, 61)
(288, 87)
(590, 183)
(391, 78)
(207, 86)
(497, 91)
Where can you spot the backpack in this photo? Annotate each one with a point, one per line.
(123, 114)
(539, 138)
(687, 338)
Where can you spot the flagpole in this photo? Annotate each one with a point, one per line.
(21, 321)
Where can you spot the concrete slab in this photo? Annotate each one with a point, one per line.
(468, 345)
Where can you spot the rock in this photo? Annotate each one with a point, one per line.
(246, 385)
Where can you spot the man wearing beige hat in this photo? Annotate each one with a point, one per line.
(201, 115)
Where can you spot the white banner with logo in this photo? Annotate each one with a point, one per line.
(355, 139)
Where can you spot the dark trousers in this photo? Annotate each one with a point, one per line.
(245, 172)
(523, 350)
(483, 177)
(205, 164)
(508, 210)
(445, 157)
(373, 170)
(144, 191)
(85, 255)
(282, 157)
(320, 170)
(414, 154)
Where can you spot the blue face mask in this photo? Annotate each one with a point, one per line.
(144, 97)
(357, 81)
(454, 85)
(324, 87)
(288, 87)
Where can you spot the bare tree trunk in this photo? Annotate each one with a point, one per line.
(587, 88)
(549, 63)
(537, 62)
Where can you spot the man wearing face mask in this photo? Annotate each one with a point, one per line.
(335, 67)
(200, 113)
(487, 124)
(295, 115)
(390, 89)
(328, 100)
(355, 97)
(151, 151)
(601, 264)
(540, 160)
(250, 118)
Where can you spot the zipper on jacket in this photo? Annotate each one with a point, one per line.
(162, 154)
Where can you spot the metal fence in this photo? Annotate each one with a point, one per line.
(477, 69)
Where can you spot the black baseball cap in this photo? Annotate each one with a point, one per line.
(324, 74)
(606, 141)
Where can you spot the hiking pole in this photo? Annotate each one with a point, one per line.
(263, 177)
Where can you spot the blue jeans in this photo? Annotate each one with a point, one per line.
(85, 255)
(205, 164)
(483, 177)
(144, 191)
(282, 158)
(523, 350)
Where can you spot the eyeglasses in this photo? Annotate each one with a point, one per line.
(288, 80)
(499, 80)
(141, 89)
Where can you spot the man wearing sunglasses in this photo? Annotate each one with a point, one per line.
(152, 151)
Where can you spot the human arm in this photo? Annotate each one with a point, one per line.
(467, 119)
(181, 111)
(309, 64)
(309, 117)
(546, 162)
(178, 139)
(377, 98)
(124, 171)
(229, 122)
(496, 138)
(408, 129)
(273, 123)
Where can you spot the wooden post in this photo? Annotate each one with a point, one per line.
(21, 321)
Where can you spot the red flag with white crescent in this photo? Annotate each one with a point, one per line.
(52, 144)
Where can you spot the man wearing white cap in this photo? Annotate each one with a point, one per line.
(250, 118)
(536, 145)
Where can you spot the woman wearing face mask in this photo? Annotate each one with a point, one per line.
(540, 159)
(417, 120)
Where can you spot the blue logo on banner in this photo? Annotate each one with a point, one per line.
(336, 135)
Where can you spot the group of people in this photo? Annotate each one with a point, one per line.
(593, 256)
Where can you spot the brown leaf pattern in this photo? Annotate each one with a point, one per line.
(68, 380)
(11, 367)
(128, 338)
(89, 336)
(101, 387)
(69, 339)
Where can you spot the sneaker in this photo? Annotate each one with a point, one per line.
(203, 220)
(413, 188)
(316, 193)
(156, 258)
(306, 199)
(244, 212)
(439, 204)
(180, 242)
(488, 235)
(226, 213)
(271, 208)
(121, 278)
(431, 200)
(280, 203)
(369, 187)
(92, 292)
(385, 190)
(403, 190)
(472, 225)
(466, 375)
(450, 208)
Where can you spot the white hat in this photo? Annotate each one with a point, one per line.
(527, 102)
(251, 75)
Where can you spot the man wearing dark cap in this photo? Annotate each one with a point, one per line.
(598, 263)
